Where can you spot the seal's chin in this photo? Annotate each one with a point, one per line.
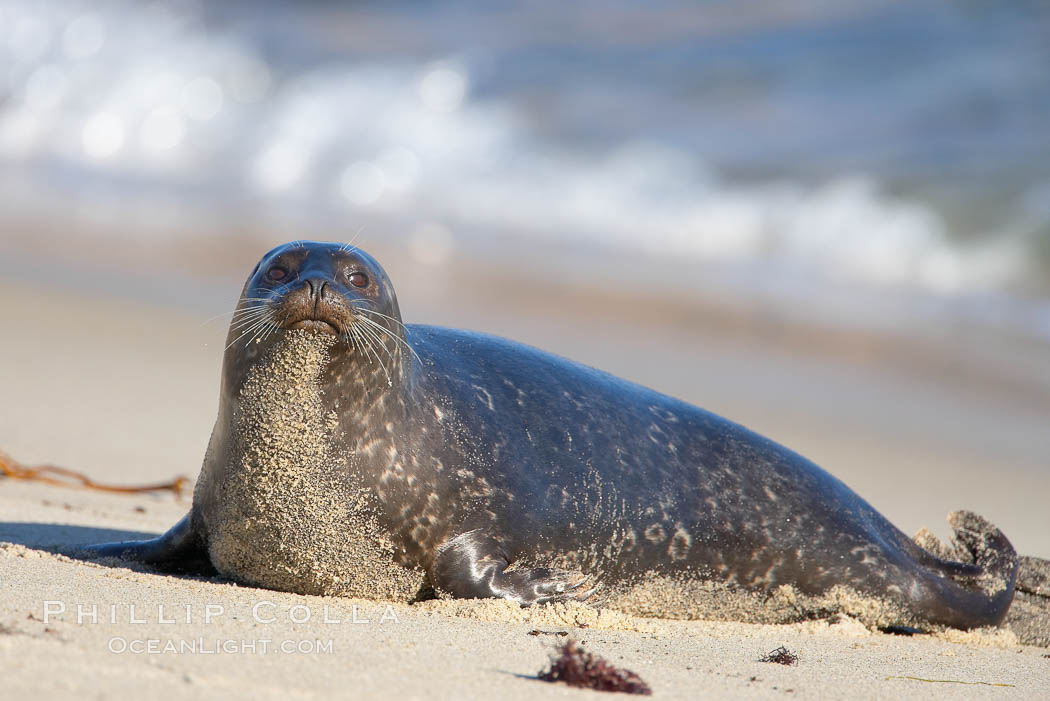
(315, 325)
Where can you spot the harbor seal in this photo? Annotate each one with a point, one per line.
(354, 454)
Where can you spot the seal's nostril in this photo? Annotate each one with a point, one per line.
(317, 287)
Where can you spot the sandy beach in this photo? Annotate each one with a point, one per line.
(124, 388)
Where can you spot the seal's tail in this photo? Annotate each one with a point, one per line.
(984, 595)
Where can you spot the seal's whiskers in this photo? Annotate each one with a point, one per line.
(380, 328)
(248, 320)
(255, 326)
(348, 247)
(371, 340)
(237, 313)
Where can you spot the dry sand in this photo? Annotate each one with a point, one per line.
(127, 393)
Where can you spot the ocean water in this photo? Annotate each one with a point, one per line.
(877, 153)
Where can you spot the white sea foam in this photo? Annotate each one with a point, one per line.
(131, 95)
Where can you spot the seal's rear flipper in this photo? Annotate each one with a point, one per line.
(978, 548)
(473, 565)
(180, 550)
(990, 549)
(1033, 577)
(971, 582)
(1029, 616)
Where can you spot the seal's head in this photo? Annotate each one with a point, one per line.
(325, 288)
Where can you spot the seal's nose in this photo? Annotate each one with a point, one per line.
(318, 287)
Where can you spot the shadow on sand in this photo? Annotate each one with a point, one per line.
(62, 538)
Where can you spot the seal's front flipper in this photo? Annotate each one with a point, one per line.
(180, 550)
(474, 566)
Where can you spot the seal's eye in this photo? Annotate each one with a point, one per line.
(358, 279)
(277, 273)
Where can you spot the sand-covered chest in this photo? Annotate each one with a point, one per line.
(286, 508)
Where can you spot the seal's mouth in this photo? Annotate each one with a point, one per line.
(313, 306)
(315, 325)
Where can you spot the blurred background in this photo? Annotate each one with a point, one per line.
(829, 222)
